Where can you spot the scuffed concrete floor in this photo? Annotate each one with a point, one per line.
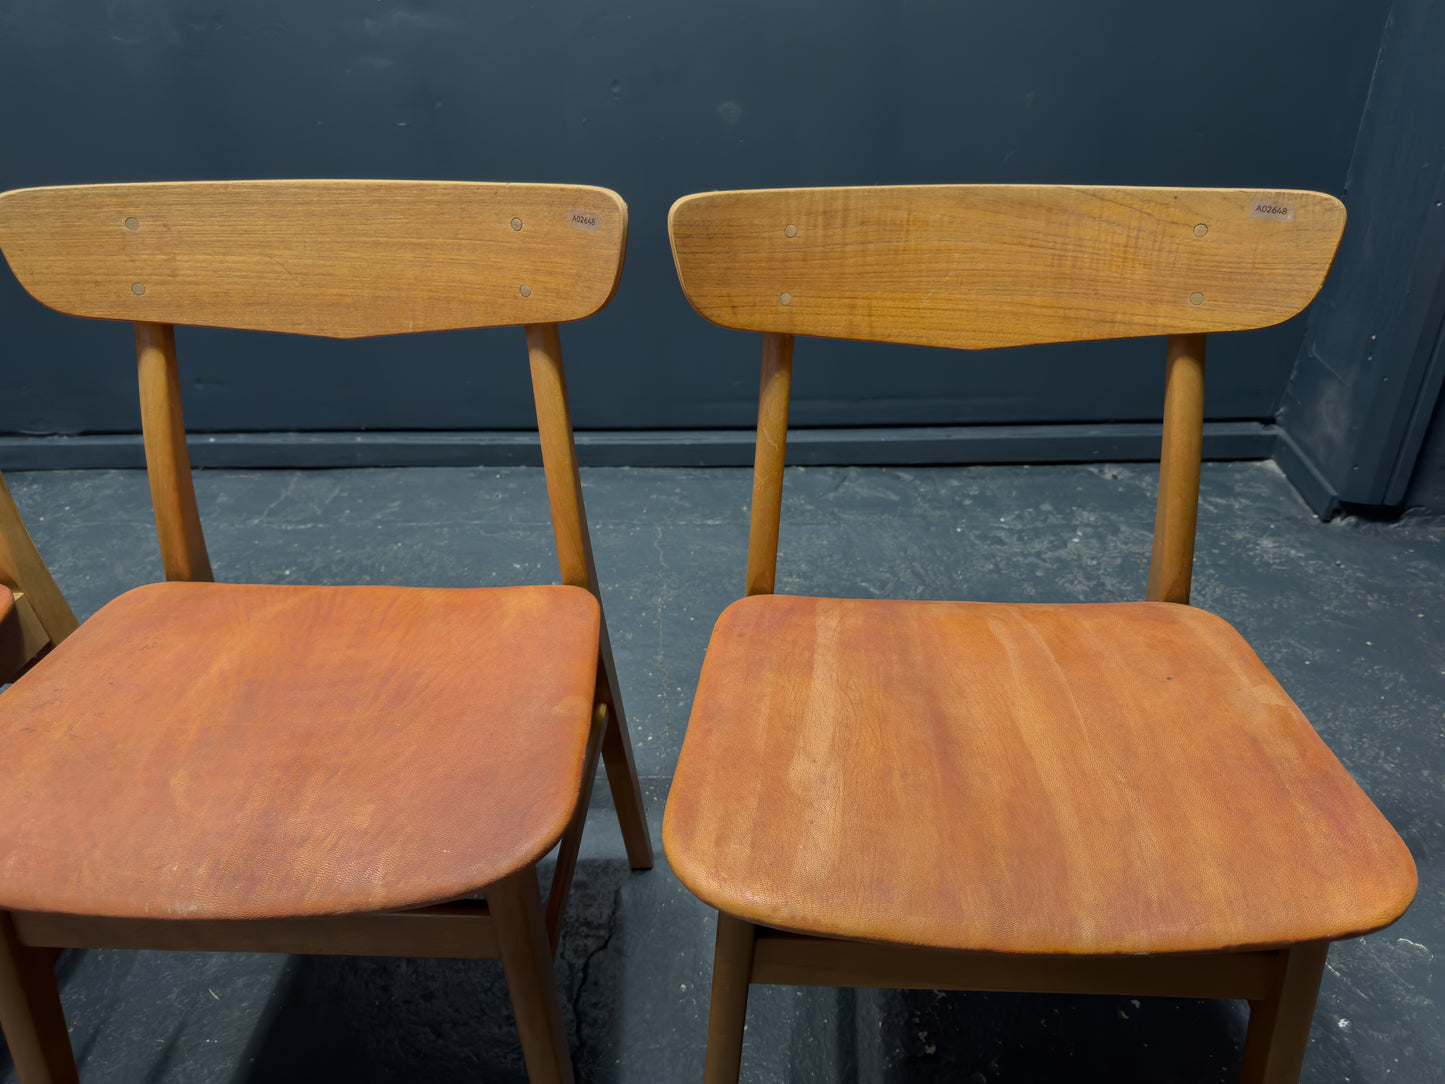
(1350, 615)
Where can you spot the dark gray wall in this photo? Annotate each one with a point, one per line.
(1370, 369)
(656, 99)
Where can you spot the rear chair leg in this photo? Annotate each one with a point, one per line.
(621, 767)
(30, 1012)
(732, 969)
(1279, 1026)
(571, 844)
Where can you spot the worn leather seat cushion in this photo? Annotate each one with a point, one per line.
(1093, 779)
(202, 750)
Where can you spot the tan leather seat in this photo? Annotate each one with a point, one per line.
(237, 751)
(988, 777)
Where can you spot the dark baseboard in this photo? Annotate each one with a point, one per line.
(916, 445)
(1305, 476)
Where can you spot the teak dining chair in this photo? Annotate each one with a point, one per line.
(1109, 798)
(34, 615)
(302, 769)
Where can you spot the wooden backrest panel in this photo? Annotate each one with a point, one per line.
(978, 266)
(344, 259)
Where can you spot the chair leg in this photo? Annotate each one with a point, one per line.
(1279, 1026)
(571, 844)
(621, 767)
(515, 904)
(732, 969)
(30, 1012)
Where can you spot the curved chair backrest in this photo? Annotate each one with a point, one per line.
(344, 259)
(979, 266)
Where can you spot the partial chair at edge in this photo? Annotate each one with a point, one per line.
(1109, 798)
(339, 770)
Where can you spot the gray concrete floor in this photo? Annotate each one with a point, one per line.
(1350, 615)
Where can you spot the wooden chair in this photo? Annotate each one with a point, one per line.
(34, 615)
(1113, 798)
(311, 769)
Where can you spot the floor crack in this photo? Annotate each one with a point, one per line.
(613, 920)
(290, 488)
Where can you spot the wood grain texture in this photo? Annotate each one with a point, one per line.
(564, 866)
(1089, 779)
(979, 266)
(23, 569)
(621, 764)
(281, 752)
(527, 962)
(459, 930)
(728, 1005)
(30, 1011)
(344, 259)
(559, 457)
(1171, 562)
(576, 564)
(23, 638)
(1279, 1023)
(774, 392)
(14, 652)
(168, 460)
